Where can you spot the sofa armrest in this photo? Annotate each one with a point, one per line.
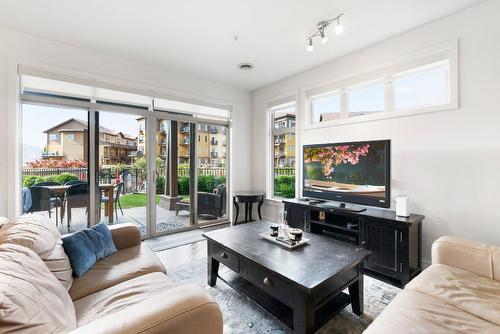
(184, 309)
(468, 255)
(125, 235)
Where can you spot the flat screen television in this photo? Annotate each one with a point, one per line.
(354, 172)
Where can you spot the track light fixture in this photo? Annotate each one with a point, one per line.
(322, 33)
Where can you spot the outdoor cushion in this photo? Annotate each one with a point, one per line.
(39, 234)
(86, 247)
(31, 299)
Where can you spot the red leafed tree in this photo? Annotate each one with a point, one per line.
(47, 163)
(331, 156)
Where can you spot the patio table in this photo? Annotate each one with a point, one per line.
(58, 191)
(109, 189)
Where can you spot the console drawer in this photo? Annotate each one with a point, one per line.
(268, 282)
(226, 257)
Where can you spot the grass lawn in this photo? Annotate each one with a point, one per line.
(137, 200)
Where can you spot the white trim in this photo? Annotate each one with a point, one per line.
(447, 51)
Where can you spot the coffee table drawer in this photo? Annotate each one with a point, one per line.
(226, 257)
(273, 285)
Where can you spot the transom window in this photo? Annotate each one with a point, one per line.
(427, 83)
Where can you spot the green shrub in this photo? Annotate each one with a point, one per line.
(183, 183)
(160, 185)
(64, 177)
(206, 183)
(29, 180)
(284, 186)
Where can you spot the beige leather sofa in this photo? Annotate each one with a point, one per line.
(127, 292)
(458, 293)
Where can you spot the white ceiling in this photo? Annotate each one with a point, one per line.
(195, 37)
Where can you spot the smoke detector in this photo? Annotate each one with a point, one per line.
(245, 66)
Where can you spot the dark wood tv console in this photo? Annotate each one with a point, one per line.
(395, 242)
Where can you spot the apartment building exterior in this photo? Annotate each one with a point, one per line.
(211, 142)
(69, 141)
(284, 140)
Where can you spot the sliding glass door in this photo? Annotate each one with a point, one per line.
(122, 162)
(212, 191)
(55, 164)
(87, 161)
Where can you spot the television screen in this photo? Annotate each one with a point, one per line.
(356, 172)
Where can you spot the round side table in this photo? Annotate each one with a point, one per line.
(248, 198)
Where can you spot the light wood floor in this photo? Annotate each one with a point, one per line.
(183, 254)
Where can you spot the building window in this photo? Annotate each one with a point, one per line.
(283, 150)
(366, 99)
(423, 87)
(325, 108)
(53, 136)
(70, 136)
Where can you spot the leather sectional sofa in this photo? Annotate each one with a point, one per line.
(458, 293)
(127, 292)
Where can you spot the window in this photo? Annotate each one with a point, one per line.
(70, 136)
(283, 150)
(53, 136)
(325, 108)
(366, 99)
(422, 87)
(423, 83)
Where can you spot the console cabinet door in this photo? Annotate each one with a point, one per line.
(382, 240)
(297, 216)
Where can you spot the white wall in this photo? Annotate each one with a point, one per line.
(448, 162)
(36, 51)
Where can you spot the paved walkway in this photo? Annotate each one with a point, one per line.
(165, 220)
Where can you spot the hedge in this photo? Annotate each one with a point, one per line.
(29, 180)
(284, 186)
(206, 183)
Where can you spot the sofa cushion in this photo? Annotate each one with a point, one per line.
(123, 265)
(470, 292)
(39, 234)
(413, 312)
(87, 246)
(120, 296)
(31, 298)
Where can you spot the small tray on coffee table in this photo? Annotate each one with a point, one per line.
(297, 244)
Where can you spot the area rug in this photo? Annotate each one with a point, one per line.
(243, 315)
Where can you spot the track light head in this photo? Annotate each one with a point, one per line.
(338, 28)
(310, 46)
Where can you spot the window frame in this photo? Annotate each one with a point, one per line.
(293, 101)
(445, 52)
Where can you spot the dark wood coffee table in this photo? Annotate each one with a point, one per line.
(308, 280)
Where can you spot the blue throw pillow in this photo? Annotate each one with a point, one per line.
(84, 248)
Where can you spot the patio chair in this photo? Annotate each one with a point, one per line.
(42, 199)
(47, 183)
(116, 198)
(76, 197)
(210, 205)
(73, 182)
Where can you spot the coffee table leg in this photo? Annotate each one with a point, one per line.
(213, 269)
(356, 294)
(303, 313)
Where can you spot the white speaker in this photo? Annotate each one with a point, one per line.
(402, 203)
